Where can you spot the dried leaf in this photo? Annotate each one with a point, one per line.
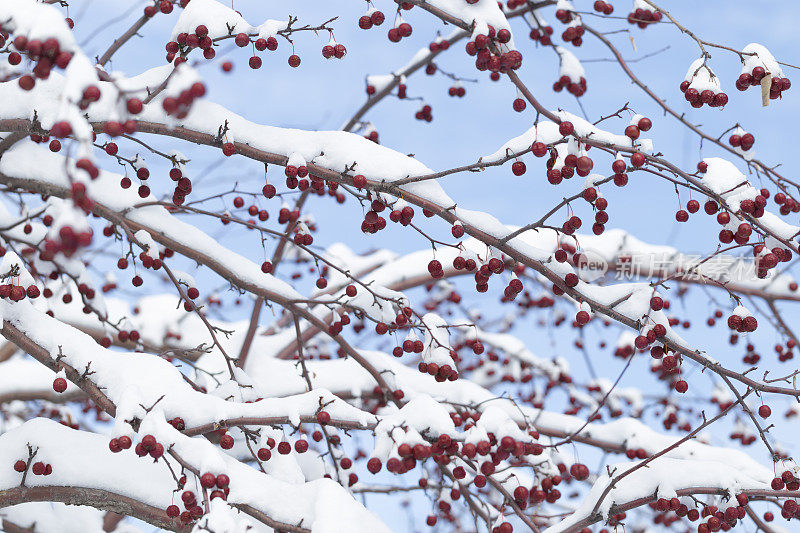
(633, 43)
(766, 83)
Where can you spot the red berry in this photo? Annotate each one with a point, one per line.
(59, 385)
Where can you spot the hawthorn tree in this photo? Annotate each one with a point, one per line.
(213, 360)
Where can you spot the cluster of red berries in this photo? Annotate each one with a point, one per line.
(372, 222)
(292, 173)
(753, 208)
(285, 215)
(573, 164)
(397, 33)
(750, 357)
(497, 62)
(643, 17)
(769, 260)
(441, 373)
(18, 293)
(513, 289)
(304, 238)
(219, 483)
(787, 480)
(186, 42)
(118, 444)
(788, 205)
(438, 46)
(692, 206)
(401, 320)
(753, 78)
(147, 262)
(462, 263)
(336, 327)
(408, 346)
(317, 184)
(485, 271)
(424, 113)
(192, 511)
(82, 200)
(125, 335)
(603, 7)
(457, 90)
(402, 216)
(67, 242)
(46, 54)
(183, 186)
(148, 446)
(177, 423)
(656, 332)
(542, 35)
(154, 263)
(671, 419)
(38, 468)
(742, 324)
(575, 89)
(564, 16)
(574, 35)
(698, 98)
(179, 106)
(334, 50)
(743, 141)
(435, 269)
(716, 519)
(601, 213)
(666, 366)
(164, 6)
(375, 18)
(634, 130)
